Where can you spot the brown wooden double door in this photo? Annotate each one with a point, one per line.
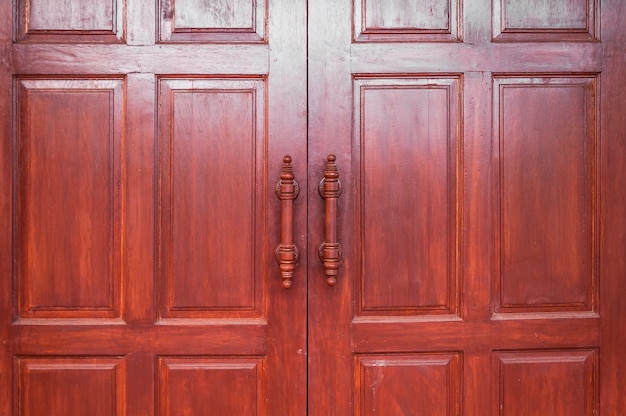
(481, 150)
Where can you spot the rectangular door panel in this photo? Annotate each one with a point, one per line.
(69, 222)
(407, 21)
(547, 169)
(204, 386)
(406, 139)
(217, 21)
(546, 382)
(99, 21)
(211, 208)
(553, 20)
(399, 384)
(71, 386)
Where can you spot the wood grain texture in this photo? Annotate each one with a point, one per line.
(248, 60)
(548, 331)
(71, 386)
(401, 384)
(407, 129)
(330, 95)
(7, 304)
(68, 225)
(570, 319)
(141, 22)
(212, 141)
(225, 386)
(613, 210)
(547, 156)
(543, 20)
(70, 21)
(212, 21)
(569, 353)
(275, 336)
(408, 21)
(287, 131)
(421, 58)
(140, 211)
(546, 382)
(99, 337)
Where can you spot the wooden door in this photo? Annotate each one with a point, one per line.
(141, 144)
(481, 152)
(481, 217)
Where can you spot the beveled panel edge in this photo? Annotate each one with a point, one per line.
(117, 34)
(453, 360)
(116, 85)
(114, 363)
(168, 33)
(587, 80)
(591, 33)
(167, 85)
(164, 363)
(448, 81)
(452, 34)
(589, 356)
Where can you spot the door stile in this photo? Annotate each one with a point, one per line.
(330, 132)
(287, 133)
(6, 208)
(613, 210)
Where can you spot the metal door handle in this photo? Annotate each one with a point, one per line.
(330, 250)
(287, 189)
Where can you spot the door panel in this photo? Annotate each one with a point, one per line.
(546, 129)
(71, 386)
(211, 139)
(140, 218)
(435, 383)
(472, 221)
(405, 145)
(546, 382)
(65, 232)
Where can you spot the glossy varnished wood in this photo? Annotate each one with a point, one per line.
(411, 121)
(546, 133)
(6, 212)
(613, 211)
(67, 233)
(482, 218)
(520, 234)
(121, 143)
(211, 141)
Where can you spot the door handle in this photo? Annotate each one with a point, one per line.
(330, 250)
(287, 189)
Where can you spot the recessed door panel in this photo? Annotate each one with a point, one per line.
(69, 169)
(212, 142)
(407, 143)
(547, 139)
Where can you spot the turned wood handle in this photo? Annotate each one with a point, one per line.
(287, 189)
(330, 250)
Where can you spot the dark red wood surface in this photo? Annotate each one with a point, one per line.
(482, 216)
(140, 148)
